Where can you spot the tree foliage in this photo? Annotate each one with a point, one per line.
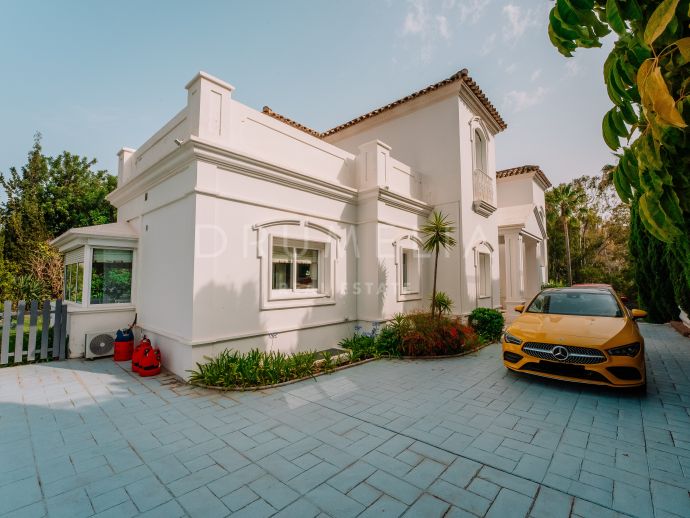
(647, 78)
(597, 233)
(438, 233)
(44, 198)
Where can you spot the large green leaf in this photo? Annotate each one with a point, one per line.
(659, 20)
(567, 13)
(613, 15)
(622, 186)
(631, 10)
(609, 131)
(618, 123)
(655, 219)
(560, 28)
(628, 113)
(564, 46)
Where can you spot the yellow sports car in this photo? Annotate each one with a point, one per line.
(577, 334)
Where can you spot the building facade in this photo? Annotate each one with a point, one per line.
(240, 228)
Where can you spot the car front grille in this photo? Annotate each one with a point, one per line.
(577, 355)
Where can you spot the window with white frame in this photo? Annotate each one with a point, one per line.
(296, 267)
(479, 151)
(409, 271)
(111, 276)
(74, 282)
(484, 274)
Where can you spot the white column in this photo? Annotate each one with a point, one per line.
(514, 267)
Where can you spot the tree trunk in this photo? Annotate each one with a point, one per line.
(433, 292)
(567, 251)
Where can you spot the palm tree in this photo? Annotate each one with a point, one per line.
(438, 233)
(567, 201)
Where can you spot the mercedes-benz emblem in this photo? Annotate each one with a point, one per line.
(560, 353)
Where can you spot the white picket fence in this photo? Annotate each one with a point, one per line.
(53, 316)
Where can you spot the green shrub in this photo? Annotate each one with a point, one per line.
(553, 284)
(444, 304)
(488, 323)
(252, 369)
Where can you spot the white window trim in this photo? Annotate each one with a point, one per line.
(483, 247)
(297, 293)
(413, 244)
(305, 233)
(88, 266)
(477, 125)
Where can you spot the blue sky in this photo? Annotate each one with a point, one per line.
(96, 76)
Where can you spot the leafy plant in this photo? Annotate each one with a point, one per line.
(568, 201)
(28, 287)
(443, 303)
(647, 77)
(487, 322)
(438, 233)
(254, 368)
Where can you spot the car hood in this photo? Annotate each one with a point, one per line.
(568, 329)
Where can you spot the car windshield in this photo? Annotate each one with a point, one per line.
(571, 302)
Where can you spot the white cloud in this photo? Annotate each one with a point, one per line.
(472, 10)
(519, 100)
(535, 75)
(416, 19)
(488, 45)
(517, 21)
(443, 29)
(511, 68)
(571, 68)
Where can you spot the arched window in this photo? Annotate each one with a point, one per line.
(479, 151)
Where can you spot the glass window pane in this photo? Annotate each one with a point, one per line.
(307, 269)
(111, 276)
(282, 276)
(74, 278)
(479, 152)
(405, 266)
(484, 275)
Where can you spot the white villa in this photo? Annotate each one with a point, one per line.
(240, 228)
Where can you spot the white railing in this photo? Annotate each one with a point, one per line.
(483, 187)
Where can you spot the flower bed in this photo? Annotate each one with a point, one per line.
(414, 335)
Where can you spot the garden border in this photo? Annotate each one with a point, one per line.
(340, 368)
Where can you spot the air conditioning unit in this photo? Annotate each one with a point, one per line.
(100, 344)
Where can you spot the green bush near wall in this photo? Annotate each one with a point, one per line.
(488, 323)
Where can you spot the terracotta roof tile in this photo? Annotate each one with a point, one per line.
(462, 75)
(524, 169)
(290, 122)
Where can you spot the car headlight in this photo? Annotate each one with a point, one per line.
(511, 339)
(625, 350)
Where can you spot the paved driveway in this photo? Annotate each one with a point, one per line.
(456, 437)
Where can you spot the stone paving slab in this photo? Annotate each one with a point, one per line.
(455, 437)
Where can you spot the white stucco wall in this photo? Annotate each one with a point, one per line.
(208, 188)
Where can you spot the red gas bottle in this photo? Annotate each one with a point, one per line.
(150, 363)
(124, 345)
(138, 353)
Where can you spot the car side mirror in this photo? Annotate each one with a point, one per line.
(638, 313)
(521, 308)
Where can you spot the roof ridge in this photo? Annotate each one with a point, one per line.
(460, 75)
(524, 169)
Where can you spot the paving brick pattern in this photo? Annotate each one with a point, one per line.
(459, 437)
